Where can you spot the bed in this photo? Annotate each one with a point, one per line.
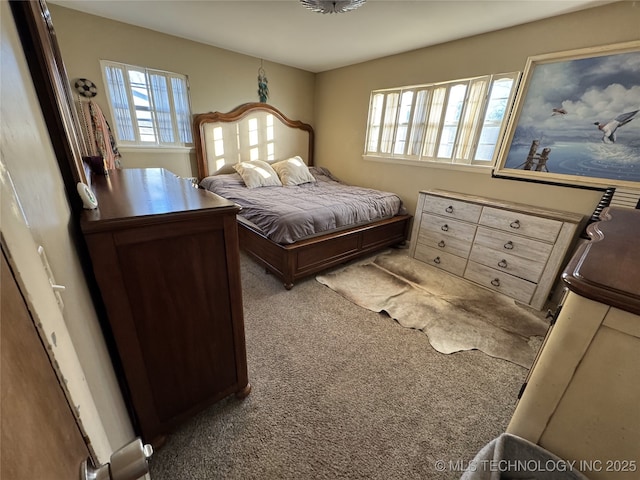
(230, 150)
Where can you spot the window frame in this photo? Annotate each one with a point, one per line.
(175, 113)
(430, 126)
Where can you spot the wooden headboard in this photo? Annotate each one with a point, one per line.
(252, 131)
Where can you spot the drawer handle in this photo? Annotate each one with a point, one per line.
(441, 244)
(449, 209)
(515, 224)
(436, 260)
(508, 245)
(502, 263)
(444, 228)
(495, 282)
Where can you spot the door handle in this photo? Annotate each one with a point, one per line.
(130, 462)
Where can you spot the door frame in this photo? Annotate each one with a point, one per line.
(53, 89)
(21, 247)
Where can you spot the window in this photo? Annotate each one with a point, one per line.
(149, 107)
(458, 122)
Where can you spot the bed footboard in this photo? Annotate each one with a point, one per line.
(306, 257)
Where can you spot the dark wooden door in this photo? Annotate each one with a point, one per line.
(40, 437)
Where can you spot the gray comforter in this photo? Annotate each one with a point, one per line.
(290, 213)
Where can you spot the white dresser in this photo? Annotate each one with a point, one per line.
(511, 248)
(581, 400)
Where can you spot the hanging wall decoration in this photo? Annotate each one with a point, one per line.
(98, 145)
(86, 88)
(263, 89)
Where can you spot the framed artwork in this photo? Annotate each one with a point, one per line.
(576, 119)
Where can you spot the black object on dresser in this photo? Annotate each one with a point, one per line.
(166, 259)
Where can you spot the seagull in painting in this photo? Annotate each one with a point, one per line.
(609, 129)
(558, 111)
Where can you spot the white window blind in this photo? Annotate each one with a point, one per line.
(149, 107)
(458, 122)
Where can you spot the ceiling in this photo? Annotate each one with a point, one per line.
(285, 32)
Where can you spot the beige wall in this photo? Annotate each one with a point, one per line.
(220, 79)
(35, 212)
(342, 98)
(336, 102)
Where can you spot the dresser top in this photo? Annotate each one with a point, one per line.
(607, 269)
(131, 194)
(513, 206)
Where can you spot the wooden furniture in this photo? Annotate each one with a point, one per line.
(513, 249)
(306, 257)
(166, 259)
(582, 398)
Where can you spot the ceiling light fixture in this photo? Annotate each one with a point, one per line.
(330, 6)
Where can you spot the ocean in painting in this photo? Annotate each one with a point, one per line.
(589, 159)
(574, 107)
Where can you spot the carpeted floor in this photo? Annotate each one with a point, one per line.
(340, 392)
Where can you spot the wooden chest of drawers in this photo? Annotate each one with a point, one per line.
(511, 248)
(166, 258)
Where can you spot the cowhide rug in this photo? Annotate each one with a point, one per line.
(455, 314)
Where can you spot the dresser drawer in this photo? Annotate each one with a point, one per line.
(520, 248)
(509, 285)
(504, 262)
(445, 261)
(520, 223)
(446, 234)
(509, 243)
(451, 208)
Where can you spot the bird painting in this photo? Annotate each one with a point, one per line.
(609, 129)
(558, 111)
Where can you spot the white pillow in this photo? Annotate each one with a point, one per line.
(257, 173)
(293, 171)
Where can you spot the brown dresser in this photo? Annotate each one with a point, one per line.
(166, 259)
(582, 398)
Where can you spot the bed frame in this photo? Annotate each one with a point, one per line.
(306, 257)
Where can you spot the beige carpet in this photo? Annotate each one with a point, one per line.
(341, 393)
(454, 314)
